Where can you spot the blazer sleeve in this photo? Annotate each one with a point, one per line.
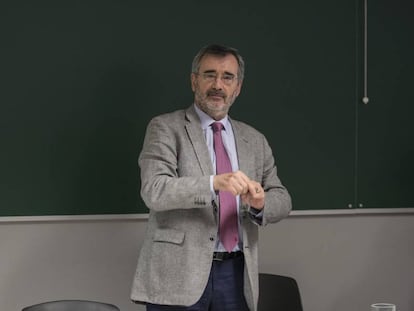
(278, 202)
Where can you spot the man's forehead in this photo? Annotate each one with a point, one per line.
(226, 62)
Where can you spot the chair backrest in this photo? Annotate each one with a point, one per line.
(72, 305)
(278, 292)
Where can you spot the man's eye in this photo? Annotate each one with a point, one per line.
(210, 75)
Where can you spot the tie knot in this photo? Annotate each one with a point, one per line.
(217, 126)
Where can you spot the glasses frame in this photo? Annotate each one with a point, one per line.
(227, 78)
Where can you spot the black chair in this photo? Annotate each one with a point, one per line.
(72, 305)
(278, 293)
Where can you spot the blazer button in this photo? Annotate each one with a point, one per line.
(211, 238)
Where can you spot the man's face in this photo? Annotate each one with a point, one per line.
(216, 85)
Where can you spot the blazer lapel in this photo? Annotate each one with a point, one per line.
(198, 141)
(246, 165)
(244, 149)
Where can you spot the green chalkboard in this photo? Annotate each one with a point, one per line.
(386, 128)
(81, 79)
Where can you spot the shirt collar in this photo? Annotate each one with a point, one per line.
(206, 120)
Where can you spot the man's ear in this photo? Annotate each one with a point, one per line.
(193, 78)
(238, 89)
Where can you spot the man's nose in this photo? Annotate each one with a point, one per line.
(218, 83)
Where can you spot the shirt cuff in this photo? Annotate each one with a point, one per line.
(257, 213)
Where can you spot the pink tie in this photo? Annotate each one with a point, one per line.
(228, 205)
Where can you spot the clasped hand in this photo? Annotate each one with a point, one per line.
(250, 191)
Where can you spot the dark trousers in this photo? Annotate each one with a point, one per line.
(224, 291)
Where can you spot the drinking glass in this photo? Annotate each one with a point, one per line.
(383, 307)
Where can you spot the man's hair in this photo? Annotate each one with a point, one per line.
(218, 50)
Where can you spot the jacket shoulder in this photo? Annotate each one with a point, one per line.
(245, 128)
(174, 115)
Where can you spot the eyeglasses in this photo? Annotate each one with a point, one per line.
(226, 78)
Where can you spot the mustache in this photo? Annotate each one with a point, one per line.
(216, 93)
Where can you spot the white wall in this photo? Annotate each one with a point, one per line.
(344, 263)
(341, 263)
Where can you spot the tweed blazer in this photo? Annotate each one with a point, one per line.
(177, 252)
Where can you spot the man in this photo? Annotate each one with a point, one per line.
(200, 250)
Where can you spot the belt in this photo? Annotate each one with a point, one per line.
(220, 256)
